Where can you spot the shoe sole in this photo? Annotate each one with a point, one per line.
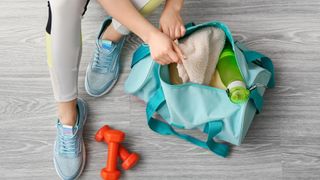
(86, 86)
(83, 147)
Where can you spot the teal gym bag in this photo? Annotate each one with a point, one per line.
(195, 106)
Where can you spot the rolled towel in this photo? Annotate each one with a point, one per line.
(202, 49)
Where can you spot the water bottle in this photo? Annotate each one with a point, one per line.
(231, 76)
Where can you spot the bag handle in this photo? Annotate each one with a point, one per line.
(260, 60)
(189, 25)
(212, 128)
(263, 61)
(140, 53)
(257, 99)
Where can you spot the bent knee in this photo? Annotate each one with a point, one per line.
(65, 6)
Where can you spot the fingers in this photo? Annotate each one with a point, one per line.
(182, 31)
(169, 32)
(179, 53)
(160, 28)
(179, 32)
(169, 57)
(174, 57)
(162, 59)
(165, 51)
(174, 33)
(166, 59)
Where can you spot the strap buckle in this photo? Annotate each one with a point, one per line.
(255, 86)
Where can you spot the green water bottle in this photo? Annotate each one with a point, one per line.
(231, 76)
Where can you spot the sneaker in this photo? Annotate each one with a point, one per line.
(69, 150)
(103, 71)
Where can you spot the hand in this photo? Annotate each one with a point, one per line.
(171, 22)
(163, 50)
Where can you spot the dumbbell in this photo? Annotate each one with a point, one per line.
(101, 132)
(129, 159)
(113, 138)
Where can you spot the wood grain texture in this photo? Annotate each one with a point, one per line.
(282, 143)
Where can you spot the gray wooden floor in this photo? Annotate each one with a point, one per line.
(283, 141)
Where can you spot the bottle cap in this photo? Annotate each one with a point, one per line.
(239, 94)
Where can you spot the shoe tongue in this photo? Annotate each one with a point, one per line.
(68, 130)
(106, 44)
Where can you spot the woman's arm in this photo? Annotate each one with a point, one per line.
(162, 48)
(127, 14)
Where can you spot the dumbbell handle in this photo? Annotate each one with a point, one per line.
(112, 156)
(123, 152)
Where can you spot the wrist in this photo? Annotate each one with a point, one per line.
(149, 34)
(175, 5)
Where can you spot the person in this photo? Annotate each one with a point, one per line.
(63, 42)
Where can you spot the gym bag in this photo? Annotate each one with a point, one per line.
(196, 106)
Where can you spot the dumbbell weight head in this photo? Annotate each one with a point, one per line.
(110, 175)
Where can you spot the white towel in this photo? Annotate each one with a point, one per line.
(202, 50)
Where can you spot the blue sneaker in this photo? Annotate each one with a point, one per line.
(103, 71)
(69, 150)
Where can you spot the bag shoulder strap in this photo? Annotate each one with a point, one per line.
(212, 128)
(262, 61)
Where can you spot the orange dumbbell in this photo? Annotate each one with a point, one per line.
(129, 159)
(113, 138)
(101, 132)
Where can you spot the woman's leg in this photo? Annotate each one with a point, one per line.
(63, 36)
(103, 71)
(64, 50)
(117, 30)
